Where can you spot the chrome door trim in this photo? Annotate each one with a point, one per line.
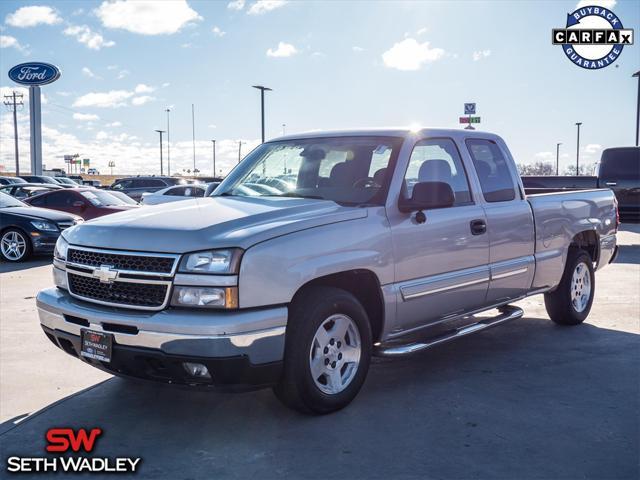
(444, 282)
(509, 273)
(444, 289)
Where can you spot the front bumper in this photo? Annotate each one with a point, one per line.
(239, 348)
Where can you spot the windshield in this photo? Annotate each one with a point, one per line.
(102, 199)
(66, 181)
(346, 170)
(7, 201)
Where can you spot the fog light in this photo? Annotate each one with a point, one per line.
(196, 370)
(60, 278)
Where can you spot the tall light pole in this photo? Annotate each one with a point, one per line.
(193, 131)
(284, 125)
(558, 158)
(160, 132)
(214, 158)
(168, 145)
(637, 74)
(239, 151)
(262, 90)
(578, 149)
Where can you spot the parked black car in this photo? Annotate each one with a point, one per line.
(619, 170)
(136, 186)
(28, 230)
(11, 180)
(43, 179)
(26, 190)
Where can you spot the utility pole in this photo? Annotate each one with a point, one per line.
(558, 158)
(239, 151)
(111, 165)
(578, 150)
(214, 158)
(637, 74)
(168, 145)
(160, 132)
(193, 131)
(14, 104)
(284, 125)
(262, 90)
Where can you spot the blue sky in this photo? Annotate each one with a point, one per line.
(331, 65)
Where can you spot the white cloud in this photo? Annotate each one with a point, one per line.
(85, 35)
(235, 5)
(186, 45)
(421, 31)
(114, 124)
(64, 94)
(147, 18)
(544, 156)
(264, 6)
(7, 41)
(217, 32)
(122, 74)
(142, 88)
(86, 71)
(480, 54)
(102, 135)
(283, 50)
(165, 84)
(212, 126)
(85, 117)
(111, 99)
(32, 16)
(112, 67)
(411, 55)
(592, 148)
(357, 49)
(601, 3)
(137, 101)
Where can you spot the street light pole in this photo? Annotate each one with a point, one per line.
(262, 90)
(214, 158)
(578, 150)
(239, 151)
(284, 125)
(168, 145)
(637, 74)
(558, 158)
(160, 132)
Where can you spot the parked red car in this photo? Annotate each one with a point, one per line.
(88, 203)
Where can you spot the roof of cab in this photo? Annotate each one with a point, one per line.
(403, 132)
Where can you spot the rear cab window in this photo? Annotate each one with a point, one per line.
(492, 169)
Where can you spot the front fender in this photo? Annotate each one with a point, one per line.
(272, 271)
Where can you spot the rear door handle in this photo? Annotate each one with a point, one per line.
(478, 227)
(611, 184)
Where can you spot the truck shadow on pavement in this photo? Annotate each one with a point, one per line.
(8, 267)
(528, 399)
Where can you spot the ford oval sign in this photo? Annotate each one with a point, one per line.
(34, 73)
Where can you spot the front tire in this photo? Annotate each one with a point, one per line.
(327, 351)
(15, 245)
(570, 303)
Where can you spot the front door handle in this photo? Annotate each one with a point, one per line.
(611, 184)
(478, 227)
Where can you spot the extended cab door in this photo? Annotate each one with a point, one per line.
(509, 220)
(441, 264)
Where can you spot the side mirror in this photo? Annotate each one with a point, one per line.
(427, 196)
(210, 188)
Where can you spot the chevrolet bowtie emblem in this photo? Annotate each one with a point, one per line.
(105, 274)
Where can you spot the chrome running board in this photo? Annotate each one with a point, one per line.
(507, 313)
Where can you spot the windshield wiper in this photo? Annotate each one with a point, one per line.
(295, 195)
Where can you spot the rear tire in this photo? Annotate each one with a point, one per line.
(570, 303)
(327, 351)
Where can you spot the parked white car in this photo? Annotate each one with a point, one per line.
(173, 194)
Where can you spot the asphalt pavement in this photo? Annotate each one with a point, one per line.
(527, 400)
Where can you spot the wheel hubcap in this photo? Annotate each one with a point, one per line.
(13, 245)
(335, 354)
(580, 287)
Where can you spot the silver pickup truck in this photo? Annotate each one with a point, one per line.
(318, 251)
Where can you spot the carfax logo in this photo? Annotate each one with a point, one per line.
(593, 38)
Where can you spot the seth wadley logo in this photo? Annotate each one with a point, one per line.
(593, 37)
(68, 440)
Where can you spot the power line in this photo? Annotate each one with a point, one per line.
(14, 104)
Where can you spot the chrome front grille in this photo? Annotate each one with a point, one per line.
(64, 225)
(121, 279)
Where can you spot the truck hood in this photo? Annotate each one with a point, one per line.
(212, 222)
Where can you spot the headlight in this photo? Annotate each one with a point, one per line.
(60, 252)
(212, 261)
(205, 297)
(45, 226)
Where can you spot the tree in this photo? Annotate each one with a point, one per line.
(585, 169)
(538, 168)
